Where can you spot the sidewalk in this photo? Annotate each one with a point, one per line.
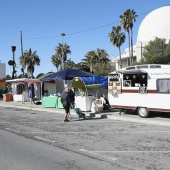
(27, 105)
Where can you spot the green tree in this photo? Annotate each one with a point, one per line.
(105, 69)
(90, 60)
(102, 56)
(61, 52)
(82, 66)
(56, 61)
(127, 21)
(96, 59)
(22, 60)
(117, 38)
(157, 52)
(30, 59)
(69, 64)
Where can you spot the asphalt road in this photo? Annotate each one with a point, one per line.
(36, 140)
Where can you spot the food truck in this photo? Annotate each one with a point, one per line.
(143, 88)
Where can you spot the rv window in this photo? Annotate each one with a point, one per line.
(163, 85)
(135, 79)
(142, 66)
(127, 83)
(129, 68)
(155, 66)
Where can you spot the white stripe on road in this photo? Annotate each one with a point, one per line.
(44, 139)
(98, 154)
(12, 130)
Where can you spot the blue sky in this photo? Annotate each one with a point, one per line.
(86, 24)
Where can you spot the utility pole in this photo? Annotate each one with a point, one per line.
(22, 69)
(13, 48)
(62, 57)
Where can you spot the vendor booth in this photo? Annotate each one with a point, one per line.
(54, 84)
(88, 88)
(19, 88)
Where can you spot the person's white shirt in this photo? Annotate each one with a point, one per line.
(103, 100)
(93, 107)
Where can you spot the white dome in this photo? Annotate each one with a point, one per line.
(155, 24)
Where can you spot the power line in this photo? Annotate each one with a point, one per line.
(91, 29)
(79, 32)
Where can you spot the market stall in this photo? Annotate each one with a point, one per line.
(50, 101)
(88, 88)
(60, 79)
(19, 88)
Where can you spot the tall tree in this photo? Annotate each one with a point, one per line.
(22, 60)
(117, 38)
(102, 56)
(69, 64)
(127, 21)
(95, 59)
(90, 60)
(82, 66)
(61, 52)
(56, 61)
(31, 59)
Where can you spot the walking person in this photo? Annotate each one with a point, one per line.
(72, 100)
(66, 100)
(31, 93)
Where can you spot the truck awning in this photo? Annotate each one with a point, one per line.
(134, 71)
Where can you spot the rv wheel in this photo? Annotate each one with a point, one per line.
(143, 112)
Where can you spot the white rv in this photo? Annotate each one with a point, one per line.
(143, 88)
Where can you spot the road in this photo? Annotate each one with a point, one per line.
(37, 140)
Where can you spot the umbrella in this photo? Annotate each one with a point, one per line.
(67, 74)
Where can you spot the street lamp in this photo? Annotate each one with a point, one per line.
(62, 57)
(13, 59)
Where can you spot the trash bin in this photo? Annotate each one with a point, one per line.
(7, 97)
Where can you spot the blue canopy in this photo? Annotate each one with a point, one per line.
(90, 82)
(103, 80)
(67, 74)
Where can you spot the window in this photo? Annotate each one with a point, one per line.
(155, 66)
(142, 66)
(135, 80)
(129, 68)
(163, 85)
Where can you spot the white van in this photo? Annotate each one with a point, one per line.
(142, 87)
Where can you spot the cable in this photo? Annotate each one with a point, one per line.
(91, 29)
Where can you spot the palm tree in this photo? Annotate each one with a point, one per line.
(117, 38)
(90, 60)
(55, 61)
(102, 56)
(95, 59)
(133, 17)
(22, 60)
(127, 20)
(82, 66)
(31, 59)
(61, 52)
(69, 64)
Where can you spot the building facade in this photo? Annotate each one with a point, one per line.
(155, 24)
(2, 70)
